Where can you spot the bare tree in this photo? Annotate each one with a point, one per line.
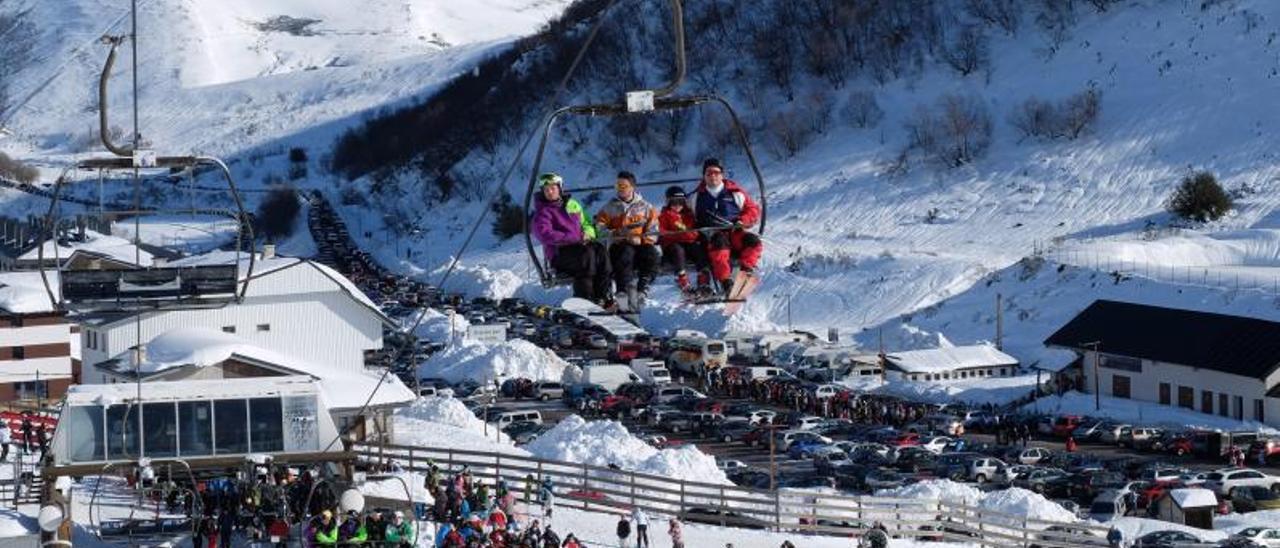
(1079, 112)
(789, 132)
(968, 52)
(955, 132)
(861, 110)
(1034, 118)
(1001, 13)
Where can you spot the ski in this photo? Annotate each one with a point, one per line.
(744, 284)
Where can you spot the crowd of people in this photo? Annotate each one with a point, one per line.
(628, 240)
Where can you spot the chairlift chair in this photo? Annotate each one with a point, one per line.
(139, 287)
(154, 529)
(638, 102)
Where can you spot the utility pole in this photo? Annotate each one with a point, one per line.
(773, 462)
(1097, 392)
(999, 322)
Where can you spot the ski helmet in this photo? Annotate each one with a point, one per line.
(550, 178)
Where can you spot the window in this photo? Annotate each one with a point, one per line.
(228, 329)
(264, 327)
(31, 390)
(1222, 404)
(1239, 408)
(1003, 372)
(1123, 363)
(122, 432)
(1166, 394)
(1206, 402)
(159, 429)
(19, 353)
(1258, 411)
(195, 420)
(231, 426)
(267, 429)
(1120, 386)
(86, 439)
(1186, 397)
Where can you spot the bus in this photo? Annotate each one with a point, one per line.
(692, 354)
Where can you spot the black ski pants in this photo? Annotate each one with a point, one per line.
(634, 264)
(588, 265)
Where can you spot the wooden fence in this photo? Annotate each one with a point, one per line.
(604, 489)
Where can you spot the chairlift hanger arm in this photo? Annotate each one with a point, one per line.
(104, 129)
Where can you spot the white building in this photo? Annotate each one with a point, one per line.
(1215, 363)
(39, 348)
(295, 307)
(950, 363)
(187, 354)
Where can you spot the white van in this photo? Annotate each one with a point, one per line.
(651, 371)
(610, 376)
(509, 418)
(764, 372)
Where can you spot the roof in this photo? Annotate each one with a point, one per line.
(1054, 360)
(110, 247)
(950, 358)
(1248, 347)
(1193, 497)
(24, 292)
(202, 347)
(110, 394)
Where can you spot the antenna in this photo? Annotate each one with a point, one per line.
(999, 322)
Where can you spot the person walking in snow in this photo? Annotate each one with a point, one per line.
(642, 527)
(623, 531)
(568, 240)
(632, 224)
(677, 533)
(719, 202)
(682, 246)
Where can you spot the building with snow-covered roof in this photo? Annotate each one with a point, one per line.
(91, 250)
(1193, 506)
(950, 363)
(1217, 364)
(295, 307)
(194, 420)
(37, 343)
(187, 354)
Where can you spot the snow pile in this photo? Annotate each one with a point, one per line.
(1132, 528)
(24, 292)
(189, 346)
(1235, 522)
(1140, 413)
(479, 280)
(1015, 502)
(978, 391)
(393, 489)
(603, 443)
(442, 421)
(517, 358)
(434, 326)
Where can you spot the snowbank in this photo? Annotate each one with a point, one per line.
(443, 414)
(1141, 413)
(1013, 501)
(393, 489)
(1132, 528)
(995, 390)
(434, 326)
(466, 360)
(602, 443)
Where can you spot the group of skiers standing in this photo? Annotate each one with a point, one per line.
(621, 243)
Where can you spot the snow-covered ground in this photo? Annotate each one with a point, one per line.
(190, 234)
(517, 358)
(993, 390)
(1140, 413)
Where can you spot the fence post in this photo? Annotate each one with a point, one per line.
(411, 459)
(633, 488)
(584, 486)
(1026, 534)
(497, 469)
(681, 495)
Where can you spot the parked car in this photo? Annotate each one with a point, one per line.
(1260, 536)
(1136, 438)
(935, 444)
(722, 517)
(1108, 505)
(1254, 498)
(546, 390)
(1063, 426)
(1166, 539)
(1223, 481)
(1031, 455)
(730, 431)
(1114, 433)
(985, 469)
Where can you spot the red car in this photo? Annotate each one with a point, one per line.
(1152, 492)
(614, 403)
(909, 439)
(626, 351)
(1065, 425)
(1179, 446)
(709, 406)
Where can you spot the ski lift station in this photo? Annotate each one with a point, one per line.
(198, 421)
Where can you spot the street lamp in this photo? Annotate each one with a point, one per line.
(1097, 391)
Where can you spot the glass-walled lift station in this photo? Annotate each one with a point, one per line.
(192, 419)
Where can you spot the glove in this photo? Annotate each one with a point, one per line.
(737, 225)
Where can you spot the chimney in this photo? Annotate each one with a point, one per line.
(269, 251)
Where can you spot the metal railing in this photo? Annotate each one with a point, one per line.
(604, 489)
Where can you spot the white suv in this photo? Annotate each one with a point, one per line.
(1224, 480)
(986, 469)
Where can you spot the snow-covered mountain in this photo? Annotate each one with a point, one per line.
(856, 238)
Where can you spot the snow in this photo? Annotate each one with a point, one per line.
(442, 421)
(606, 442)
(977, 391)
(1140, 413)
(203, 347)
(25, 293)
(1194, 497)
(1014, 501)
(263, 267)
(435, 326)
(1235, 522)
(188, 233)
(16, 524)
(950, 358)
(113, 247)
(1132, 528)
(1054, 360)
(469, 360)
(111, 394)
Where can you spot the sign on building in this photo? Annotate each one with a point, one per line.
(488, 334)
